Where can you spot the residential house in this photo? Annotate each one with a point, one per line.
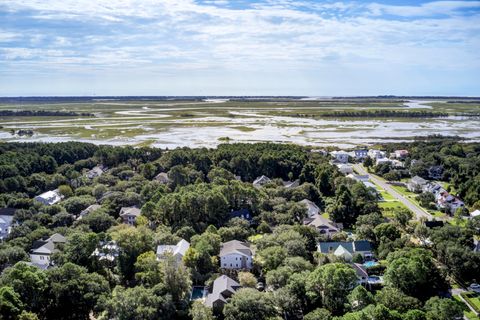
(380, 161)
(6, 218)
(358, 177)
(360, 154)
(401, 154)
(129, 215)
(109, 195)
(323, 225)
(376, 154)
(397, 164)
(433, 187)
(242, 214)
(475, 213)
(89, 209)
(235, 255)
(345, 168)
(43, 249)
(106, 251)
(312, 208)
(416, 184)
(291, 184)
(49, 198)
(162, 177)
(347, 250)
(370, 185)
(449, 202)
(260, 181)
(435, 172)
(223, 289)
(323, 152)
(340, 156)
(96, 171)
(178, 251)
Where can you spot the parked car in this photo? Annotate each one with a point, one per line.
(475, 287)
(260, 286)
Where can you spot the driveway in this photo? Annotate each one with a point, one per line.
(420, 213)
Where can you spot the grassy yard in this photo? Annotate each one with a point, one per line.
(411, 196)
(473, 299)
(466, 311)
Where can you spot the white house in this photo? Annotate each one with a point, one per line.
(50, 197)
(475, 213)
(379, 161)
(6, 218)
(376, 154)
(340, 156)
(416, 184)
(43, 249)
(235, 255)
(312, 208)
(178, 251)
(358, 177)
(106, 251)
(345, 168)
(260, 181)
(129, 215)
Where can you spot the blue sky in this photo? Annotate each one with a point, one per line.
(239, 47)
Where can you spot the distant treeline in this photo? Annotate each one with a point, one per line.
(379, 114)
(42, 113)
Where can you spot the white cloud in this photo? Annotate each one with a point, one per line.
(302, 36)
(426, 9)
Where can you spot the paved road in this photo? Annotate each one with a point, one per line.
(420, 213)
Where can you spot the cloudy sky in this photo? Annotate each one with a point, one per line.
(239, 47)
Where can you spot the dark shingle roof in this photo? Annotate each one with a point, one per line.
(352, 247)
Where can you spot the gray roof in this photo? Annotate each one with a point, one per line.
(237, 247)
(90, 208)
(180, 248)
(318, 221)
(162, 177)
(352, 247)
(130, 211)
(360, 270)
(418, 180)
(47, 246)
(223, 287)
(260, 181)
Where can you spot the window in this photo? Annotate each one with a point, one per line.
(41, 257)
(230, 264)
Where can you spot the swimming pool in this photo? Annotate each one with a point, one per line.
(370, 264)
(198, 293)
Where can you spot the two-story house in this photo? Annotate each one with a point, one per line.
(235, 255)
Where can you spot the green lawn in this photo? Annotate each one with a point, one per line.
(473, 298)
(411, 196)
(466, 311)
